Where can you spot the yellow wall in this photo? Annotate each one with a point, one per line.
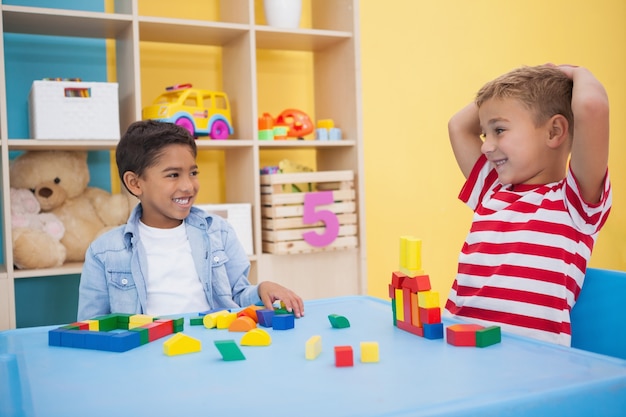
(423, 60)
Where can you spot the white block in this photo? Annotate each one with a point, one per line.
(74, 110)
(239, 216)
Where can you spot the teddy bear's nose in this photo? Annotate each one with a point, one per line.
(45, 192)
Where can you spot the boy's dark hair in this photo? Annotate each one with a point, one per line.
(142, 144)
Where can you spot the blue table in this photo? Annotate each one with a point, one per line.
(415, 376)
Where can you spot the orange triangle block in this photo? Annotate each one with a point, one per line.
(242, 324)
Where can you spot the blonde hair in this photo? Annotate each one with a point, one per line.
(544, 90)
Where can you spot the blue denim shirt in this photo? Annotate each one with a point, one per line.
(113, 281)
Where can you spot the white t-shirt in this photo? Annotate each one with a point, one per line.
(172, 281)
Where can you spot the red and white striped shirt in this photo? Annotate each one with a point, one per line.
(523, 263)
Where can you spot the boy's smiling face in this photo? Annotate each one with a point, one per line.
(168, 189)
(514, 144)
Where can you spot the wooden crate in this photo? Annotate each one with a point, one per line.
(282, 211)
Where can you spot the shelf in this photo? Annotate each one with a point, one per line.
(71, 268)
(298, 39)
(56, 22)
(193, 32)
(305, 144)
(95, 145)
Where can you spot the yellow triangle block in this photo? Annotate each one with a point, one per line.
(180, 344)
(256, 337)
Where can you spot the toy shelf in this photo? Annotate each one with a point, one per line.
(234, 30)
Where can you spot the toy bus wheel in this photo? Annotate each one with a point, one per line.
(219, 130)
(187, 124)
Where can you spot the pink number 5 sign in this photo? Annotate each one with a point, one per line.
(311, 215)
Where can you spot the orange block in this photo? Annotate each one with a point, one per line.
(242, 324)
(250, 311)
(415, 311)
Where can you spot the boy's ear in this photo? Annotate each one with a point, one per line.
(131, 180)
(558, 130)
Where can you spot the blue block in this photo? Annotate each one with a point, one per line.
(73, 338)
(264, 317)
(98, 340)
(283, 321)
(54, 337)
(121, 342)
(433, 331)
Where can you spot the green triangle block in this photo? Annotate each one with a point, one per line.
(229, 350)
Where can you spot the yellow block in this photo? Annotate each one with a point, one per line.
(369, 352)
(180, 344)
(94, 325)
(139, 320)
(428, 299)
(210, 320)
(313, 347)
(399, 305)
(413, 253)
(224, 320)
(256, 337)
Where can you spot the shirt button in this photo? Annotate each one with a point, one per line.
(124, 281)
(216, 258)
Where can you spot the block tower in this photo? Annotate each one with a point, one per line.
(415, 306)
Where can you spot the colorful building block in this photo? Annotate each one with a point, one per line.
(428, 299)
(283, 321)
(264, 317)
(181, 344)
(488, 336)
(256, 337)
(313, 347)
(134, 333)
(463, 334)
(369, 352)
(224, 320)
(242, 324)
(209, 320)
(338, 322)
(229, 350)
(344, 356)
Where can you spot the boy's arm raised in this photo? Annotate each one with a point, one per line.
(590, 146)
(464, 131)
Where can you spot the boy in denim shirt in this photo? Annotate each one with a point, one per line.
(170, 257)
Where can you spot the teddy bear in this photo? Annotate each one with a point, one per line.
(59, 180)
(31, 228)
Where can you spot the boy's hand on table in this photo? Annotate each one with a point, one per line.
(271, 291)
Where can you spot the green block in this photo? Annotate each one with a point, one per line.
(338, 322)
(107, 323)
(229, 350)
(196, 321)
(488, 336)
(393, 310)
(144, 336)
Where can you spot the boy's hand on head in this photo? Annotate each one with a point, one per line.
(271, 291)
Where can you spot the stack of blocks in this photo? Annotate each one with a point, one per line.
(99, 334)
(415, 306)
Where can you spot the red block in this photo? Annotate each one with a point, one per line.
(418, 283)
(408, 327)
(430, 315)
(344, 356)
(397, 278)
(158, 329)
(462, 334)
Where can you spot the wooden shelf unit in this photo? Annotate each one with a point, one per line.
(333, 41)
